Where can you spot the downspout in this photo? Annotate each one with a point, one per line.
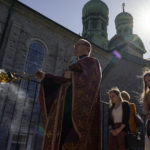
(6, 27)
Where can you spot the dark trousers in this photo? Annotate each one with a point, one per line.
(117, 142)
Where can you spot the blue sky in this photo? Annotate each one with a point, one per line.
(68, 13)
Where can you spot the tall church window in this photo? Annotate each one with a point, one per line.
(34, 63)
(35, 57)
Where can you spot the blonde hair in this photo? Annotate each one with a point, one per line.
(125, 95)
(145, 87)
(116, 91)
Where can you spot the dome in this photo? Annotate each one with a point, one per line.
(123, 18)
(95, 7)
(118, 40)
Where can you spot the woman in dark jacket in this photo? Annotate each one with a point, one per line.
(119, 113)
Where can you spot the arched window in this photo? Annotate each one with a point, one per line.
(35, 57)
(33, 63)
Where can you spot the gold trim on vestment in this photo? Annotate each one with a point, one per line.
(73, 97)
(56, 119)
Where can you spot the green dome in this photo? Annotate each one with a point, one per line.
(123, 18)
(96, 7)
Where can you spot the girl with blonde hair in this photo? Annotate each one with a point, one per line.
(118, 120)
(146, 107)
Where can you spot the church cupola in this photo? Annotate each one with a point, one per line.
(124, 23)
(95, 22)
(124, 38)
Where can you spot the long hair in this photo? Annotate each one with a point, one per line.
(117, 92)
(145, 87)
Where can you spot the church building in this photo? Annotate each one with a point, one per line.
(30, 41)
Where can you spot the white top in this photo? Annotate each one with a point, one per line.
(117, 114)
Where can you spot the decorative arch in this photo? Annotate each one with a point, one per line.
(31, 40)
(35, 57)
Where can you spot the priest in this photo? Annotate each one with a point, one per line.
(70, 105)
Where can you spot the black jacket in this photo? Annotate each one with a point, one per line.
(125, 115)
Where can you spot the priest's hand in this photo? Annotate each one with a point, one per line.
(40, 75)
(67, 74)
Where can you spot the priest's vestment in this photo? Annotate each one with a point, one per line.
(71, 111)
